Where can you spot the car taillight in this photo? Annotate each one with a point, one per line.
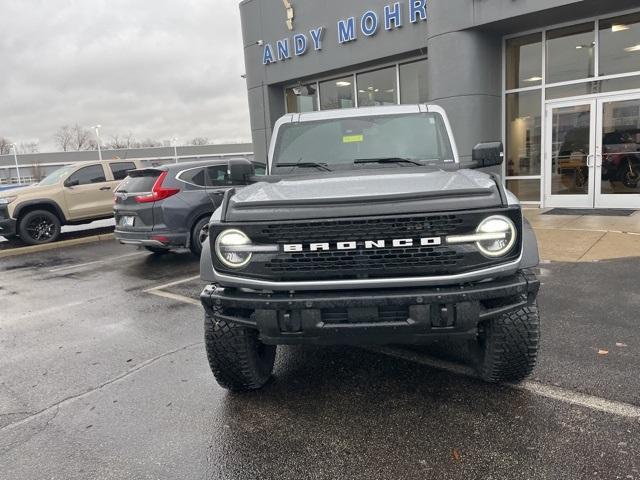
(158, 192)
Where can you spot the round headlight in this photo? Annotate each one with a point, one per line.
(500, 236)
(231, 248)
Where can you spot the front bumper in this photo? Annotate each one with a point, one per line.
(381, 316)
(158, 239)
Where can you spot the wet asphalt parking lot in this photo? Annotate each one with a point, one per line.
(103, 375)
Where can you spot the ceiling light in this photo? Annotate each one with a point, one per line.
(619, 28)
(635, 48)
(342, 83)
(533, 79)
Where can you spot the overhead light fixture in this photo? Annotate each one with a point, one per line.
(579, 47)
(533, 79)
(619, 27)
(635, 48)
(342, 83)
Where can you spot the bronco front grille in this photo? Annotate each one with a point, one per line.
(363, 263)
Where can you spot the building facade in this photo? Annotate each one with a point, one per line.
(558, 81)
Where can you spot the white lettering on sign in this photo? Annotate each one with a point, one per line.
(348, 30)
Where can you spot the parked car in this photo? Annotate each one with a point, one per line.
(72, 195)
(370, 230)
(169, 206)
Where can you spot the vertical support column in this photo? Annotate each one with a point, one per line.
(465, 79)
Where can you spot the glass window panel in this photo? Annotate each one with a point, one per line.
(617, 84)
(524, 133)
(88, 175)
(575, 90)
(377, 88)
(524, 61)
(218, 175)
(570, 143)
(620, 45)
(525, 190)
(121, 170)
(337, 93)
(302, 99)
(570, 53)
(413, 82)
(589, 88)
(621, 147)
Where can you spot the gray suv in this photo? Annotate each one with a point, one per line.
(167, 207)
(370, 229)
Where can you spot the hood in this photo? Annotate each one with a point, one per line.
(374, 192)
(12, 192)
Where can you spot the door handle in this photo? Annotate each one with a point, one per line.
(104, 189)
(589, 158)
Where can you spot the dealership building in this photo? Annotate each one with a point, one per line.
(558, 81)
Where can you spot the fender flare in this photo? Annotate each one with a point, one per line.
(32, 203)
(206, 263)
(530, 255)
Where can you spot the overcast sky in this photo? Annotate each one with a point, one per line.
(156, 68)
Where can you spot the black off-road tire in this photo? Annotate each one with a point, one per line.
(196, 236)
(239, 361)
(157, 250)
(39, 227)
(508, 346)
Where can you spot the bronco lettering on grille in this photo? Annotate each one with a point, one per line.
(367, 245)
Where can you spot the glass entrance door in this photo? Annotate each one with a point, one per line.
(570, 154)
(618, 152)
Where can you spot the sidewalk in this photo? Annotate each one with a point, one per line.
(585, 238)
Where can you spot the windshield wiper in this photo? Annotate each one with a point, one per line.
(387, 160)
(319, 166)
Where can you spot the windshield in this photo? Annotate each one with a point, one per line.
(56, 175)
(346, 142)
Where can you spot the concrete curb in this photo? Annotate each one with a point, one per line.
(14, 252)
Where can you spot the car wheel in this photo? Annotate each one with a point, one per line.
(158, 250)
(507, 346)
(630, 176)
(39, 227)
(199, 235)
(239, 361)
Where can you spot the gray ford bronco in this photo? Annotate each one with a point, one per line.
(369, 230)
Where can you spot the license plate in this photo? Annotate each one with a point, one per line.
(128, 221)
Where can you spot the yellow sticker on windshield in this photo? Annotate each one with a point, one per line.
(353, 139)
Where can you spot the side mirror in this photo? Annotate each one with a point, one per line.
(488, 154)
(71, 183)
(240, 171)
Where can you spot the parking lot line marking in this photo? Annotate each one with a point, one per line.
(613, 407)
(108, 259)
(174, 296)
(172, 284)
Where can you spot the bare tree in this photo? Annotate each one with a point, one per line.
(64, 138)
(122, 141)
(29, 147)
(82, 139)
(117, 142)
(200, 141)
(5, 146)
(149, 143)
(75, 138)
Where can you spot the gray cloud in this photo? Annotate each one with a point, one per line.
(157, 68)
